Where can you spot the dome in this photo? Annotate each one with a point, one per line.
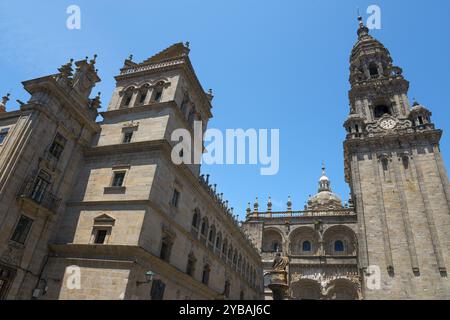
(366, 44)
(325, 199)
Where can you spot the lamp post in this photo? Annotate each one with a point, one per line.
(149, 276)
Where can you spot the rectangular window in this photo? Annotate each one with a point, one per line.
(127, 136)
(175, 198)
(57, 147)
(118, 179)
(3, 134)
(100, 236)
(166, 248)
(22, 230)
(40, 186)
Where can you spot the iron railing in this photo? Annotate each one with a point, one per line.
(41, 197)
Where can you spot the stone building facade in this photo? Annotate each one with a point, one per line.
(320, 243)
(393, 239)
(99, 210)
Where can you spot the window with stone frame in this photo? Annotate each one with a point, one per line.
(7, 276)
(57, 147)
(166, 245)
(22, 229)
(373, 70)
(204, 229)
(190, 268)
(127, 136)
(218, 241)
(3, 134)
(212, 236)
(118, 178)
(41, 185)
(339, 246)
(100, 236)
(205, 274)
(230, 253)
(102, 229)
(306, 246)
(127, 97)
(175, 198)
(224, 249)
(158, 92)
(142, 96)
(381, 110)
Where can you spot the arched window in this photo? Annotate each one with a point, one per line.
(230, 252)
(126, 100)
(218, 241)
(235, 258)
(306, 246)
(142, 96)
(381, 110)
(373, 70)
(338, 246)
(196, 219)
(158, 92)
(225, 248)
(204, 228)
(212, 234)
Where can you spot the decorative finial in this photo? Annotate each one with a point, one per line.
(269, 204)
(187, 44)
(130, 57)
(94, 60)
(5, 100)
(323, 168)
(362, 30)
(95, 103)
(360, 19)
(256, 205)
(249, 211)
(415, 103)
(289, 204)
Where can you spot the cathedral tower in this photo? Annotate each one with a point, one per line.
(398, 180)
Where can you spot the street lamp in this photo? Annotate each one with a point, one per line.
(149, 276)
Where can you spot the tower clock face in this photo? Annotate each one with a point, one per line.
(388, 124)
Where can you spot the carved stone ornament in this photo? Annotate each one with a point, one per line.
(388, 123)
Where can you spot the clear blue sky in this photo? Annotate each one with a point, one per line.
(271, 64)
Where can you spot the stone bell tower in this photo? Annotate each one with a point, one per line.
(398, 181)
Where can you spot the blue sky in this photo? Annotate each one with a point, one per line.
(280, 65)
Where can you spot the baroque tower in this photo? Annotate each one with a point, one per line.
(398, 181)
